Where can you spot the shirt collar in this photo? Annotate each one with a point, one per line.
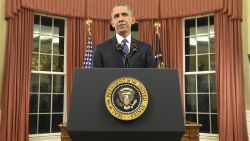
(120, 38)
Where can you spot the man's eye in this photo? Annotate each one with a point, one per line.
(124, 14)
(116, 15)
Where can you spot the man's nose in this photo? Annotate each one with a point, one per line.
(120, 18)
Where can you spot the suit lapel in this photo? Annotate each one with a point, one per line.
(117, 56)
(133, 57)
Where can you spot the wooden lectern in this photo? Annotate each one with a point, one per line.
(191, 132)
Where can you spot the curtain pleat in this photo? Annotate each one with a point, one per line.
(146, 33)
(172, 45)
(100, 31)
(16, 82)
(229, 79)
(143, 9)
(76, 36)
(183, 8)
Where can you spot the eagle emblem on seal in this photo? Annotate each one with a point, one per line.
(126, 98)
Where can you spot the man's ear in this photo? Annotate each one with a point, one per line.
(112, 23)
(133, 20)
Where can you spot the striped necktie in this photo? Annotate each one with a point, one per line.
(125, 49)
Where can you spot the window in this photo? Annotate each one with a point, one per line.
(47, 89)
(199, 73)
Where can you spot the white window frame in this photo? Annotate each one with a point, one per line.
(203, 136)
(54, 136)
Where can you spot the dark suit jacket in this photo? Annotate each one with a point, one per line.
(106, 55)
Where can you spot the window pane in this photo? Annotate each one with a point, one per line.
(203, 103)
(32, 124)
(44, 123)
(45, 62)
(33, 103)
(212, 62)
(35, 43)
(190, 46)
(190, 27)
(211, 43)
(202, 82)
(190, 84)
(214, 124)
(58, 27)
(213, 103)
(190, 63)
(34, 83)
(58, 62)
(35, 61)
(45, 100)
(58, 45)
(204, 120)
(190, 102)
(57, 103)
(212, 83)
(202, 44)
(58, 83)
(203, 63)
(45, 83)
(211, 24)
(202, 25)
(46, 25)
(56, 120)
(191, 117)
(46, 43)
(36, 23)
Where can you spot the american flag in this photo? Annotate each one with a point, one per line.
(158, 53)
(88, 59)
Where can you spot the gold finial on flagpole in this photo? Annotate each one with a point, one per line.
(157, 25)
(89, 23)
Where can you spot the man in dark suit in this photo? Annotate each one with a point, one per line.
(123, 51)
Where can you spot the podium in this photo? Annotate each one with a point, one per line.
(90, 119)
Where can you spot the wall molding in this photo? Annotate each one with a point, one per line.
(46, 137)
(209, 137)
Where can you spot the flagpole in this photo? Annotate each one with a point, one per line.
(159, 57)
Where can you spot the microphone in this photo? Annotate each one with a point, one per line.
(119, 48)
(134, 48)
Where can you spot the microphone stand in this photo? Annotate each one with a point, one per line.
(119, 48)
(126, 60)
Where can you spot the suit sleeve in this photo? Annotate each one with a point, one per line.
(98, 59)
(150, 58)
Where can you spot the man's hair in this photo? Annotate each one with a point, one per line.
(122, 4)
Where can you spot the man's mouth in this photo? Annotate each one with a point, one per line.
(121, 25)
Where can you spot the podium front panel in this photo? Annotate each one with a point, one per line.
(89, 118)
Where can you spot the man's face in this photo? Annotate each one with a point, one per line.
(122, 20)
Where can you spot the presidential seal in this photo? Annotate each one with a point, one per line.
(126, 98)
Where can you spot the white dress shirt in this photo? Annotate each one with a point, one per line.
(120, 38)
